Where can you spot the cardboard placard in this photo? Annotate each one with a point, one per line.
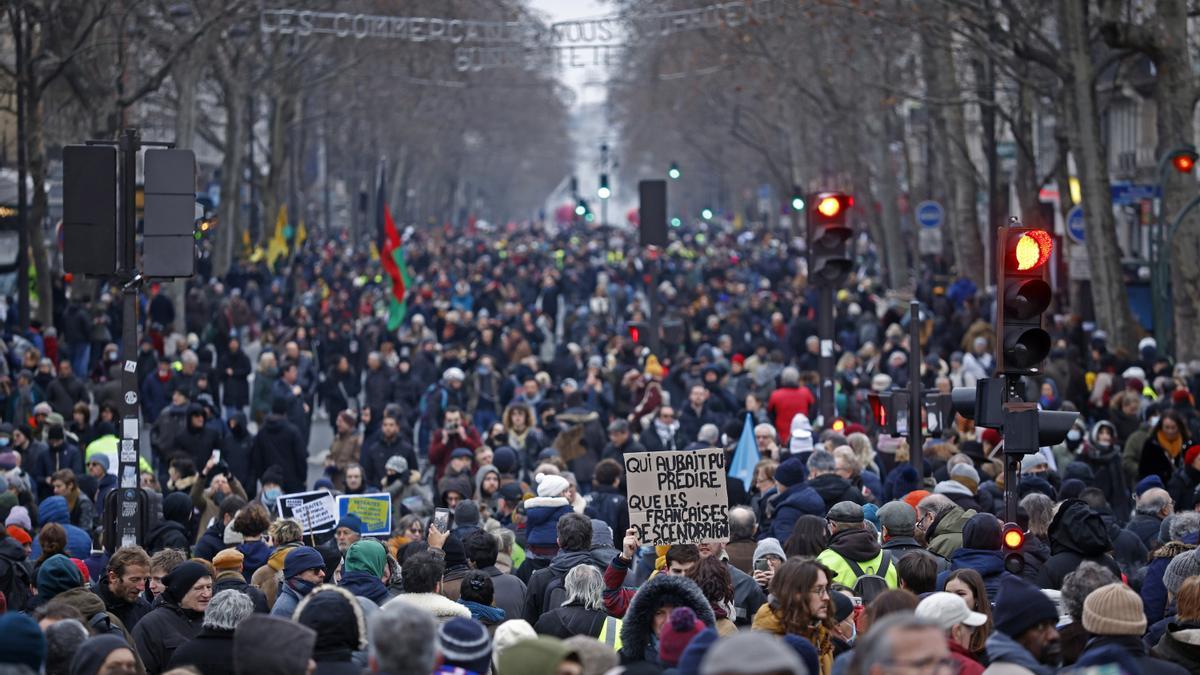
(315, 511)
(678, 497)
(375, 511)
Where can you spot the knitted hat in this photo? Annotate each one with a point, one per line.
(549, 485)
(982, 531)
(967, 475)
(805, 650)
(508, 634)
(351, 522)
(1020, 606)
(366, 555)
(301, 559)
(466, 513)
(1191, 454)
(90, 656)
(99, 458)
(1181, 567)
(768, 546)
(55, 433)
(751, 653)
(1032, 461)
(21, 641)
(899, 518)
(19, 515)
(689, 661)
(22, 537)
(679, 630)
(83, 570)
(465, 644)
(991, 437)
(57, 575)
(913, 498)
(871, 515)
(229, 559)
(504, 459)
(182, 578)
(1114, 610)
(397, 463)
(272, 475)
(790, 472)
(1147, 483)
(1071, 489)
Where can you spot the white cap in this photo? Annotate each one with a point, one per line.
(454, 374)
(948, 610)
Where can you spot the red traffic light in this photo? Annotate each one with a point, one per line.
(1030, 249)
(829, 206)
(1014, 537)
(839, 425)
(1184, 162)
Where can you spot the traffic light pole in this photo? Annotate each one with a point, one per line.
(916, 452)
(128, 518)
(825, 364)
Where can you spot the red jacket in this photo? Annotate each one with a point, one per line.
(616, 594)
(784, 404)
(967, 665)
(439, 450)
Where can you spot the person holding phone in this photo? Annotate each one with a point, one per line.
(455, 433)
(768, 556)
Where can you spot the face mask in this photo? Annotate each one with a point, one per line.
(271, 496)
(1074, 436)
(4, 442)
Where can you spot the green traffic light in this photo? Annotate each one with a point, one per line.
(580, 210)
(706, 214)
(676, 222)
(797, 203)
(673, 172)
(604, 192)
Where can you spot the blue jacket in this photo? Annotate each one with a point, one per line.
(365, 585)
(989, 564)
(54, 510)
(872, 482)
(286, 602)
(541, 519)
(256, 554)
(156, 396)
(798, 500)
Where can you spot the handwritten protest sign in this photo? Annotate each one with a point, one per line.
(374, 510)
(678, 497)
(315, 511)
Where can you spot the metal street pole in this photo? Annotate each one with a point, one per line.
(916, 455)
(128, 518)
(22, 41)
(825, 363)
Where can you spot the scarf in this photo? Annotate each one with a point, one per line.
(666, 432)
(485, 614)
(1173, 448)
(516, 440)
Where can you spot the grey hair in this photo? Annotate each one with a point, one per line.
(742, 523)
(1040, 509)
(958, 458)
(709, 433)
(822, 461)
(227, 609)
(936, 504)
(585, 586)
(63, 639)
(1153, 501)
(875, 648)
(790, 377)
(404, 638)
(1080, 583)
(189, 357)
(851, 458)
(507, 539)
(1183, 524)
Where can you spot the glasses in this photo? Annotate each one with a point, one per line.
(820, 590)
(943, 666)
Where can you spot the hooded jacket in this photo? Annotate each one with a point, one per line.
(861, 546)
(945, 533)
(172, 531)
(337, 617)
(1153, 592)
(638, 641)
(16, 574)
(54, 510)
(279, 443)
(989, 564)
(1180, 644)
(541, 519)
(1105, 463)
(1008, 657)
(798, 500)
(1077, 533)
(833, 489)
(210, 652)
(540, 581)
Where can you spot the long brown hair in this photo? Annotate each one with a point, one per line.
(53, 540)
(972, 579)
(790, 587)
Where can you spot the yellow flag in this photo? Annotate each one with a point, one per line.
(277, 246)
(301, 235)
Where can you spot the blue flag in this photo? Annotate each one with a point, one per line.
(745, 456)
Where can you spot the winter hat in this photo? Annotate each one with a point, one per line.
(177, 507)
(463, 453)
(21, 641)
(871, 515)
(465, 644)
(1081, 472)
(229, 559)
(902, 480)
(1147, 483)
(967, 475)
(791, 472)
(765, 547)
(260, 630)
(991, 437)
(99, 458)
(300, 559)
(549, 485)
(318, 484)
(899, 518)
(1181, 567)
(806, 651)
(982, 531)
(679, 630)
(92, 654)
(397, 463)
(504, 459)
(19, 516)
(602, 534)
(1114, 610)
(54, 510)
(1032, 461)
(508, 634)
(83, 570)
(18, 533)
(1191, 454)
(913, 498)
(767, 654)
(367, 556)
(1030, 484)
(273, 474)
(1020, 606)
(689, 661)
(511, 492)
(460, 484)
(351, 522)
(182, 578)
(843, 606)
(1071, 489)
(466, 514)
(57, 575)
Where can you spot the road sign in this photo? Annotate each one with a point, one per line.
(1075, 224)
(930, 214)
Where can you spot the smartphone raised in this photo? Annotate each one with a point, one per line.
(441, 519)
(762, 565)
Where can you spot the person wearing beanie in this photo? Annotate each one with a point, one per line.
(57, 575)
(899, 482)
(962, 487)
(21, 642)
(303, 570)
(596, 657)
(19, 516)
(542, 513)
(103, 654)
(1025, 636)
(752, 653)
(681, 626)
(1076, 533)
(794, 499)
(349, 530)
(54, 510)
(466, 518)
(980, 552)
(465, 644)
(177, 617)
(363, 571)
(1113, 615)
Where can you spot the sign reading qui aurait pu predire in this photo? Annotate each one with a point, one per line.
(678, 497)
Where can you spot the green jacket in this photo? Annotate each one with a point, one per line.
(945, 535)
(844, 574)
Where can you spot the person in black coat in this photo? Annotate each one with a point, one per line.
(337, 617)
(176, 617)
(279, 443)
(606, 502)
(172, 530)
(237, 452)
(198, 440)
(211, 651)
(388, 443)
(234, 371)
(664, 427)
(831, 487)
(292, 393)
(1185, 480)
(1077, 533)
(582, 612)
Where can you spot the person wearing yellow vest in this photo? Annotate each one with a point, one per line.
(854, 550)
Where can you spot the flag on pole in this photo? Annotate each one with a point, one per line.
(391, 254)
(301, 235)
(277, 246)
(745, 455)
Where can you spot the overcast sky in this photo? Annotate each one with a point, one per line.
(585, 81)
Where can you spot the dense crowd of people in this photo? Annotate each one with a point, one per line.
(497, 418)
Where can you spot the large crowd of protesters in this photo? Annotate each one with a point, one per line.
(497, 417)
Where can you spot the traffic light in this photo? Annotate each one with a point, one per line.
(828, 235)
(90, 209)
(673, 173)
(890, 412)
(797, 199)
(1022, 343)
(581, 207)
(1184, 159)
(603, 192)
(1013, 540)
(706, 213)
(838, 425)
(168, 228)
(637, 332)
(676, 222)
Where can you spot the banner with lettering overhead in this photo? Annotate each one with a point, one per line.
(375, 511)
(678, 497)
(315, 511)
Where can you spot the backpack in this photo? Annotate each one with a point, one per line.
(428, 410)
(874, 581)
(555, 594)
(101, 623)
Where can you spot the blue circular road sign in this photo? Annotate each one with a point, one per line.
(1075, 224)
(930, 214)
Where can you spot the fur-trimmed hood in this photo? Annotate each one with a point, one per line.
(637, 628)
(442, 607)
(1171, 549)
(546, 502)
(337, 618)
